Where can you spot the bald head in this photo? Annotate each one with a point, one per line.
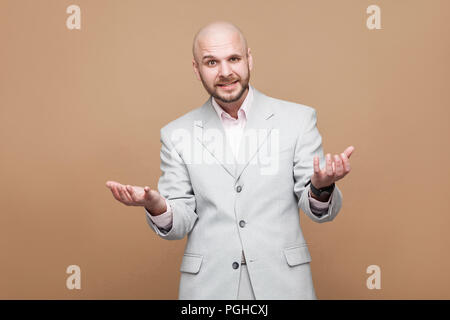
(218, 30)
(222, 62)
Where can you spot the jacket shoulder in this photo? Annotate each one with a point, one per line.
(292, 113)
(292, 108)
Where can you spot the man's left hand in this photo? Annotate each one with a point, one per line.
(335, 169)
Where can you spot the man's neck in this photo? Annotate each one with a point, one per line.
(232, 108)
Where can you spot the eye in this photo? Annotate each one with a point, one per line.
(209, 62)
(234, 59)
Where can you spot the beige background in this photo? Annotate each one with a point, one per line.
(80, 107)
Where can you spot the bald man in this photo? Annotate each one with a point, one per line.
(235, 172)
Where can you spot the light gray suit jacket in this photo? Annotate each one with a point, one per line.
(250, 204)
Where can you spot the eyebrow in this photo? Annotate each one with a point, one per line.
(231, 56)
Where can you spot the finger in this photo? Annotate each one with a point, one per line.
(316, 165)
(116, 193)
(119, 192)
(110, 184)
(348, 152)
(132, 194)
(329, 166)
(125, 193)
(346, 162)
(122, 194)
(339, 166)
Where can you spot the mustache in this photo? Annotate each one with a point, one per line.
(227, 81)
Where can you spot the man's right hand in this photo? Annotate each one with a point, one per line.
(138, 196)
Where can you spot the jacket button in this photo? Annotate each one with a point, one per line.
(242, 223)
(238, 188)
(235, 265)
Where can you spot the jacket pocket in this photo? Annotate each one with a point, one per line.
(191, 263)
(297, 255)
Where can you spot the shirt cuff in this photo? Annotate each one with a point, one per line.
(163, 220)
(319, 205)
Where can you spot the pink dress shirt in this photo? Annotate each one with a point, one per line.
(234, 129)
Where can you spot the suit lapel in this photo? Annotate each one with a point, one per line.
(256, 131)
(213, 138)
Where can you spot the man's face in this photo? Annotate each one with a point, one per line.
(223, 66)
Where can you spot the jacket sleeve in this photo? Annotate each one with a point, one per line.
(309, 144)
(175, 186)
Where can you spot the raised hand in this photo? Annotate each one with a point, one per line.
(335, 169)
(138, 196)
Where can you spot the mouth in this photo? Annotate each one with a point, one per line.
(230, 85)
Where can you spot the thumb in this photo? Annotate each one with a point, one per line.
(147, 194)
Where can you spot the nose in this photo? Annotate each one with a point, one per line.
(225, 70)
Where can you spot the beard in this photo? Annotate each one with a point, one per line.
(228, 97)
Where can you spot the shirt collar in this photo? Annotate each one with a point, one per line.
(245, 107)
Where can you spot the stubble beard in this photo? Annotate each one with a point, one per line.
(226, 98)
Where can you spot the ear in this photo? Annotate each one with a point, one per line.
(250, 59)
(195, 66)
